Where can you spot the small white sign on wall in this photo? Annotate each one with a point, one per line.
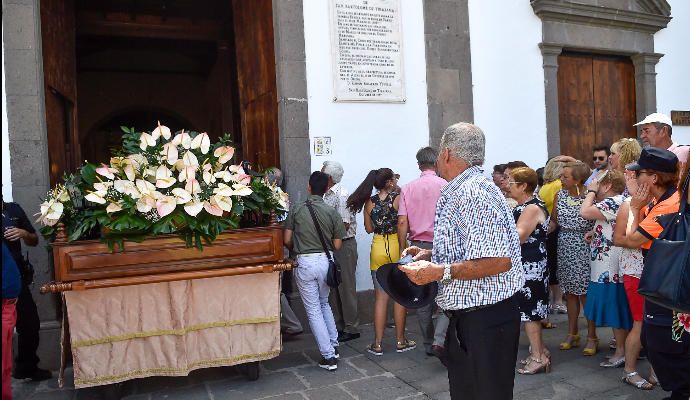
(366, 45)
(322, 146)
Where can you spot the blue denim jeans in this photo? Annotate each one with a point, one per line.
(310, 277)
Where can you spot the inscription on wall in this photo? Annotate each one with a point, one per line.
(680, 118)
(366, 45)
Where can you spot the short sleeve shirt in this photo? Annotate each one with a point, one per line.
(336, 197)
(668, 203)
(473, 221)
(305, 236)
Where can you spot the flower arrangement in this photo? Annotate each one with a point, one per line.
(160, 183)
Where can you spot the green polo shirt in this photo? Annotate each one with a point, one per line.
(305, 238)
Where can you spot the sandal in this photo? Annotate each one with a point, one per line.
(653, 380)
(406, 345)
(547, 325)
(560, 308)
(535, 366)
(642, 384)
(547, 354)
(590, 351)
(570, 342)
(613, 362)
(613, 344)
(375, 349)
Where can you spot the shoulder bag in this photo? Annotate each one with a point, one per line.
(666, 275)
(333, 277)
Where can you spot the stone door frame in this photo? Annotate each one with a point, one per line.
(588, 28)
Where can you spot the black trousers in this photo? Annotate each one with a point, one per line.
(28, 325)
(670, 359)
(482, 350)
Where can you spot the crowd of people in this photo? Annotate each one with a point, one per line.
(562, 238)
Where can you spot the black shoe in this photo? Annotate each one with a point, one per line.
(288, 333)
(345, 336)
(36, 375)
(440, 353)
(331, 364)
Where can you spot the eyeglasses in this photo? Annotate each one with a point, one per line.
(599, 158)
(514, 183)
(639, 172)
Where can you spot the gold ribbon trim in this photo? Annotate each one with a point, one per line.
(177, 332)
(170, 371)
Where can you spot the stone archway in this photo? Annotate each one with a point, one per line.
(624, 28)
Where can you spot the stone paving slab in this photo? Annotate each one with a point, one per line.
(360, 375)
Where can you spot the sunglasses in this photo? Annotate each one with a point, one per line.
(599, 158)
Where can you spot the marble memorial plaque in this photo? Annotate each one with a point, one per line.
(366, 44)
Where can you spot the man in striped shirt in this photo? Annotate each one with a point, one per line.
(476, 258)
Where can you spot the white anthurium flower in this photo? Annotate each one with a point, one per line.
(138, 160)
(183, 139)
(51, 211)
(181, 196)
(194, 207)
(106, 171)
(113, 207)
(213, 208)
(224, 154)
(186, 174)
(145, 204)
(145, 187)
(170, 153)
(95, 197)
(146, 140)
(201, 141)
(208, 174)
(225, 175)
(63, 195)
(190, 159)
(165, 205)
(223, 190)
(164, 177)
(241, 190)
(161, 130)
(192, 186)
(132, 164)
(225, 203)
(127, 187)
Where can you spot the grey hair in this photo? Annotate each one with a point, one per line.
(333, 169)
(426, 156)
(465, 141)
(274, 176)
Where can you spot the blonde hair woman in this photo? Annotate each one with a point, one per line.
(624, 152)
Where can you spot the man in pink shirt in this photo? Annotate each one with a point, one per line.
(416, 222)
(656, 130)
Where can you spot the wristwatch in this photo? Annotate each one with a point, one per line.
(447, 278)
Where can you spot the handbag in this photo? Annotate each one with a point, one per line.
(665, 278)
(333, 276)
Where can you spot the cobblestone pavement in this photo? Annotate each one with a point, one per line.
(411, 375)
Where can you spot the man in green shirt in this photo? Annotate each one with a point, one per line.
(302, 238)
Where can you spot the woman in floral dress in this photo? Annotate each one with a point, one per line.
(573, 252)
(607, 304)
(532, 222)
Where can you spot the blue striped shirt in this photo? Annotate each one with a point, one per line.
(473, 221)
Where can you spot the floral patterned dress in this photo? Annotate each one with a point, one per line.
(384, 246)
(534, 295)
(573, 252)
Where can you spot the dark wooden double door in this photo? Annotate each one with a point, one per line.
(239, 80)
(596, 102)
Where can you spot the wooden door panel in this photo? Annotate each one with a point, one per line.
(614, 99)
(256, 76)
(576, 106)
(59, 76)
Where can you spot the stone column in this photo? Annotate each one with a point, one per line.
(645, 83)
(550, 53)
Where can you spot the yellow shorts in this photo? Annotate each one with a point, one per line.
(384, 250)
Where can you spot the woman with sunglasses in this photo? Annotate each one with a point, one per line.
(657, 176)
(532, 221)
(381, 219)
(573, 252)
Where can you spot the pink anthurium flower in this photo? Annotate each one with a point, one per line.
(183, 139)
(225, 203)
(106, 171)
(224, 154)
(213, 209)
(201, 141)
(161, 130)
(182, 196)
(146, 140)
(113, 207)
(165, 205)
(192, 186)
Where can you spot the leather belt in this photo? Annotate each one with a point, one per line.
(350, 238)
(452, 313)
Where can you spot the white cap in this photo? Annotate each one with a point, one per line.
(655, 117)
